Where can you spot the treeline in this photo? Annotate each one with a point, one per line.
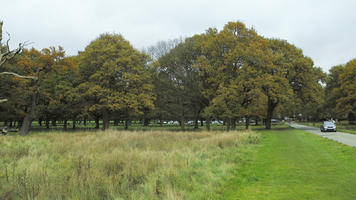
(228, 75)
(340, 92)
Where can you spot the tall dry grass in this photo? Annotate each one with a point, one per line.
(119, 165)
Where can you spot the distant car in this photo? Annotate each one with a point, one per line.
(172, 122)
(190, 122)
(274, 120)
(328, 126)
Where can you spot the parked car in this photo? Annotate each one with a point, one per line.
(190, 122)
(328, 126)
(274, 120)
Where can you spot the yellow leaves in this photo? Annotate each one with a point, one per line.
(235, 28)
(117, 74)
(345, 89)
(252, 69)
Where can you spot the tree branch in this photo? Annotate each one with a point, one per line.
(7, 42)
(17, 75)
(8, 54)
(1, 31)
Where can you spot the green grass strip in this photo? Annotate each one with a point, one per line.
(292, 164)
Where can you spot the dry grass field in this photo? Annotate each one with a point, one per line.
(120, 165)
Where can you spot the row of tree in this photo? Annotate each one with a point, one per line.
(340, 91)
(229, 75)
(110, 79)
(232, 74)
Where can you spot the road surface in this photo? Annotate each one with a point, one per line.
(344, 138)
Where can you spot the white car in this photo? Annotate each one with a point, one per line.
(328, 126)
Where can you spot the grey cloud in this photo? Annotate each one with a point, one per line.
(323, 29)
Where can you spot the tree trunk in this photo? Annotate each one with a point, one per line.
(40, 121)
(268, 119)
(54, 122)
(126, 124)
(106, 120)
(26, 125)
(247, 123)
(233, 124)
(97, 123)
(74, 124)
(160, 122)
(19, 123)
(65, 125)
(228, 124)
(182, 123)
(351, 118)
(85, 121)
(201, 122)
(10, 123)
(146, 122)
(207, 124)
(270, 108)
(256, 122)
(116, 122)
(47, 123)
(196, 123)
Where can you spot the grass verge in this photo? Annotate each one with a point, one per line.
(292, 164)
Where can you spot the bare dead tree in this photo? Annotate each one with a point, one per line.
(6, 54)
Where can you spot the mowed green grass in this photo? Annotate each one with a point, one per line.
(292, 164)
(120, 164)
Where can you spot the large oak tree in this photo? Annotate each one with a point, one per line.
(115, 77)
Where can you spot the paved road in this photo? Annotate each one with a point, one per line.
(344, 138)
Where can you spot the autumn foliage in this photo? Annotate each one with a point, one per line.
(229, 74)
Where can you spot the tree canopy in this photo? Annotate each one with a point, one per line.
(115, 77)
(232, 74)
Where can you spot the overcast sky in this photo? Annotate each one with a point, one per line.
(324, 29)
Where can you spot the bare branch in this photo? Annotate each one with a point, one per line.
(17, 75)
(1, 31)
(8, 54)
(7, 42)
